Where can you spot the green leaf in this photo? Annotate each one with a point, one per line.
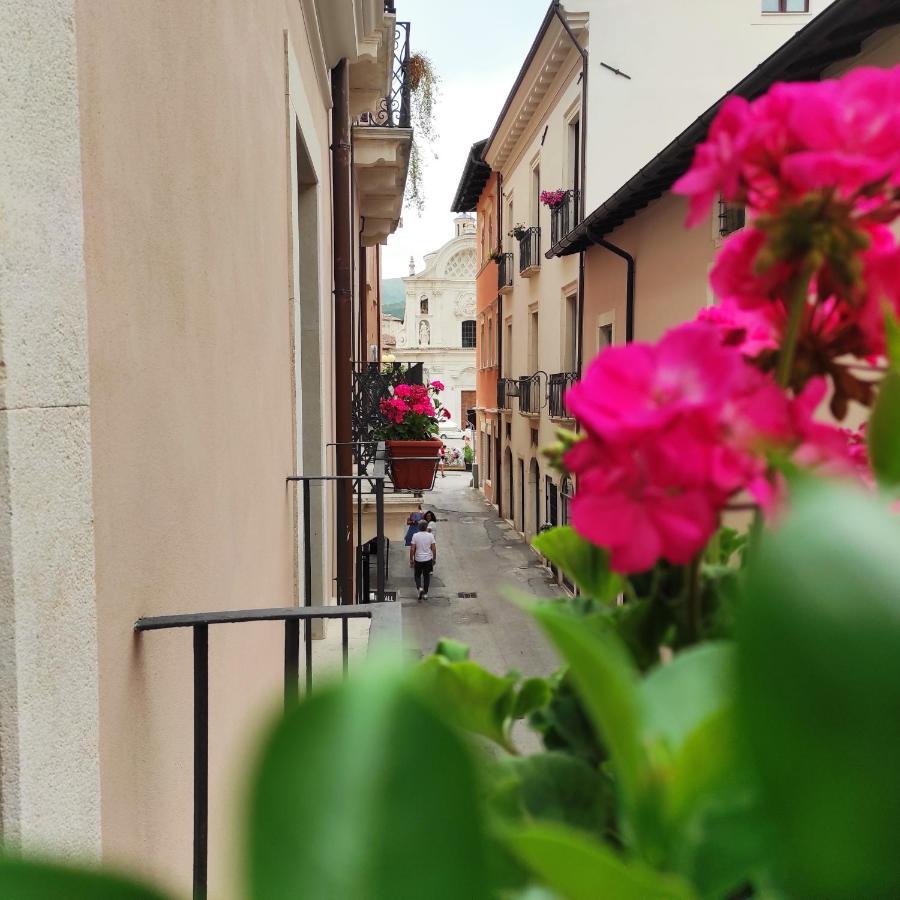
(23, 879)
(892, 338)
(577, 867)
(679, 696)
(455, 651)
(469, 696)
(534, 694)
(607, 682)
(884, 431)
(819, 692)
(555, 787)
(586, 564)
(364, 792)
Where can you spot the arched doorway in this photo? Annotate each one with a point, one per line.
(507, 511)
(534, 480)
(522, 496)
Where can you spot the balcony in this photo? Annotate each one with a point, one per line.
(505, 390)
(565, 216)
(505, 273)
(382, 133)
(530, 252)
(530, 397)
(558, 384)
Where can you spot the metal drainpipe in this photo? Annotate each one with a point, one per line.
(343, 322)
(629, 287)
(557, 9)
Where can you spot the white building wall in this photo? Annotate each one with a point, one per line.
(434, 337)
(680, 59)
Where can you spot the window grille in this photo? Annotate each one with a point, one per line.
(468, 333)
(731, 218)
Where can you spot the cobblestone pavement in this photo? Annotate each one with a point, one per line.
(479, 558)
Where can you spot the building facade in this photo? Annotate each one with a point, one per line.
(439, 326)
(591, 106)
(191, 268)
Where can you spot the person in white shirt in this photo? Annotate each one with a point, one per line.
(422, 557)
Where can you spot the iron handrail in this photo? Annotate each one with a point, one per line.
(528, 403)
(200, 623)
(394, 110)
(557, 385)
(565, 216)
(504, 271)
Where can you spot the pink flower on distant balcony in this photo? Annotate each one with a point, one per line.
(553, 199)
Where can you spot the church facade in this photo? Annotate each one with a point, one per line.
(438, 327)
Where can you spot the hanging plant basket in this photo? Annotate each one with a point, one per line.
(413, 464)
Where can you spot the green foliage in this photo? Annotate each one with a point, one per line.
(585, 563)
(819, 681)
(364, 791)
(884, 431)
(34, 880)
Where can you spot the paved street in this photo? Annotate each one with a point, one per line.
(478, 554)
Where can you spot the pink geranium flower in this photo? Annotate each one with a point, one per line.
(437, 385)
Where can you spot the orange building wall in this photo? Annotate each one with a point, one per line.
(487, 357)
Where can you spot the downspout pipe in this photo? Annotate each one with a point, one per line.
(342, 222)
(558, 11)
(629, 286)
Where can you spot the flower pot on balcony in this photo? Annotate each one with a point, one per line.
(413, 463)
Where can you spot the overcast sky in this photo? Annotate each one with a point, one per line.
(477, 48)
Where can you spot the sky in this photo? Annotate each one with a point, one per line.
(476, 48)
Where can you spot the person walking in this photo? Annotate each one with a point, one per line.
(443, 461)
(422, 557)
(412, 523)
(430, 518)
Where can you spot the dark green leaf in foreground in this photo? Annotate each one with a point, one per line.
(364, 792)
(586, 564)
(31, 880)
(819, 685)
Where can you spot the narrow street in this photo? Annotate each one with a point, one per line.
(480, 559)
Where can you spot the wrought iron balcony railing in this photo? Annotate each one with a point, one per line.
(372, 383)
(557, 386)
(393, 111)
(505, 273)
(505, 390)
(530, 396)
(565, 217)
(530, 252)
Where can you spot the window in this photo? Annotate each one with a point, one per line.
(570, 333)
(490, 343)
(785, 6)
(468, 333)
(604, 337)
(508, 351)
(731, 217)
(482, 350)
(575, 153)
(533, 343)
(423, 306)
(535, 195)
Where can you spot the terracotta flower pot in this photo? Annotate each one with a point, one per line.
(413, 474)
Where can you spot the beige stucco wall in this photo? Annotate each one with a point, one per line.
(671, 271)
(188, 248)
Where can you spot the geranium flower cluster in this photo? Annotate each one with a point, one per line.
(412, 411)
(673, 432)
(553, 199)
(817, 167)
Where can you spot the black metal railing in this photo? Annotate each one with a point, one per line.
(389, 7)
(565, 216)
(557, 386)
(504, 393)
(530, 398)
(372, 383)
(384, 629)
(530, 249)
(393, 111)
(504, 271)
